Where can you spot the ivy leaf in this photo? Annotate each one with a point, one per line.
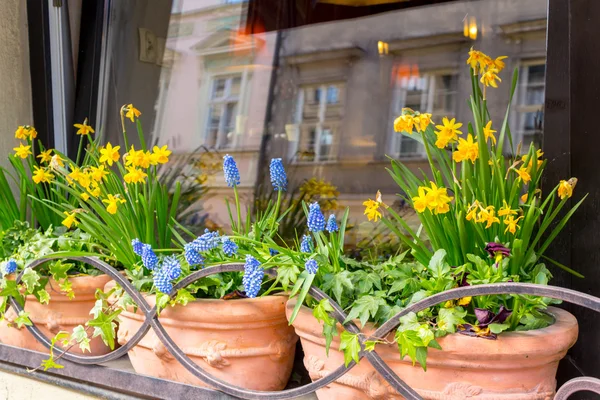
(23, 319)
(335, 283)
(370, 345)
(104, 326)
(434, 344)
(368, 281)
(365, 307)
(183, 297)
(409, 322)
(59, 270)
(408, 341)
(43, 296)
(421, 356)
(321, 313)
(287, 274)
(498, 328)
(31, 279)
(11, 289)
(299, 282)
(350, 345)
(329, 331)
(162, 300)
(67, 287)
(80, 336)
(449, 318)
(97, 309)
(425, 334)
(438, 267)
(49, 363)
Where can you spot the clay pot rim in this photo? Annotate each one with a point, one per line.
(82, 284)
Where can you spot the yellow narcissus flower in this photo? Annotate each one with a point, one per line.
(21, 132)
(498, 63)
(490, 77)
(160, 155)
(523, 175)
(85, 196)
(109, 154)
(464, 301)
(404, 123)
(448, 132)
(98, 173)
(112, 203)
(69, 220)
(75, 174)
(488, 132)
(372, 210)
(472, 211)
(565, 188)
(487, 216)
(135, 175)
(438, 199)
(56, 162)
(539, 154)
(420, 201)
(474, 59)
(422, 121)
(45, 156)
(506, 210)
(466, 150)
(22, 151)
(84, 129)
(132, 112)
(94, 189)
(511, 224)
(41, 175)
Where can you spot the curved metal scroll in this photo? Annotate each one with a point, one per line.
(151, 320)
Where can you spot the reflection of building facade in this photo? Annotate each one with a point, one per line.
(214, 86)
(338, 96)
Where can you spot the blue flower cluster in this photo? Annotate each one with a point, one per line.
(230, 169)
(162, 281)
(11, 266)
(316, 219)
(229, 246)
(278, 176)
(273, 252)
(138, 246)
(311, 266)
(172, 267)
(253, 276)
(332, 225)
(149, 259)
(192, 256)
(306, 246)
(206, 242)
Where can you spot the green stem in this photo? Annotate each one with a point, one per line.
(277, 205)
(79, 149)
(237, 208)
(428, 151)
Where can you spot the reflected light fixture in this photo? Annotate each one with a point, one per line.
(470, 27)
(383, 48)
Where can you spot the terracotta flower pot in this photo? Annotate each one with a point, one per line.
(246, 342)
(518, 365)
(60, 314)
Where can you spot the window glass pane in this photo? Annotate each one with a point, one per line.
(236, 83)
(219, 88)
(332, 95)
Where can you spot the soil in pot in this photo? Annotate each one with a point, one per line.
(518, 365)
(245, 342)
(60, 314)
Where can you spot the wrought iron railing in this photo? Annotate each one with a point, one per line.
(151, 321)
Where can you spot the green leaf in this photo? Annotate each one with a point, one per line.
(59, 270)
(350, 345)
(449, 318)
(162, 300)
(365, 307)
(31, 279)
(434, 344)
(426, 334)
(368, 281)
(183, 297)
(305, 288)
(329, 331)
(286, 274)
(43, 296)
(336, 283)
(49, 363)
(421, 356)
(104, 326)
(80, 336)
(23, 319)
(498, 328)
(409, 322)
(322, 310)
(408, 341)
(370, 345)
(97, 309)
(438, 267)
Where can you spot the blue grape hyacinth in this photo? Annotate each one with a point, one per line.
(253, 276)
(273, 252)
(230, 169)
(306, 246)
(311, 266)
(149, 259)
(138, 247)
(11, 266)
(229, 246)
(171, 267)
(332, 225)
(162, 281)
(316, 219)
(208, 241)
(278, 175)
(191, 255)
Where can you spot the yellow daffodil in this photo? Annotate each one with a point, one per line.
(539, 154)
(487, 216)
(372, 210)
(160, 155)
(565, 188)
(404, 123)
(85, 196)
(525, 197)
(523, 175)
(466, 150)
(22, 151)
(422, 121)
(109, 154)
(94, 190)
(84, 129)
(488, 132)
(98, 173)
(448, 132)
(132, 112)
(41, 175)
(75, 173)
(112, 203)
(85, 179)
(69, 220)
(498, 63)
(472, 211)
(511, 224)
(465, 301)
(438, 199)
(45, 156)
(506, 210)
(420, 201)
(490, 77)
(135, 175)
(474, 59)
(21, 132)
(56, 162)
